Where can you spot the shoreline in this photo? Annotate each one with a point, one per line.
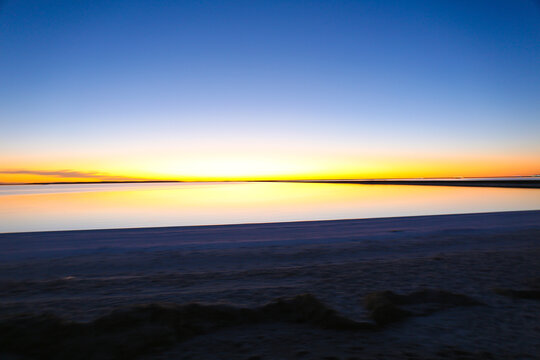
(517, 182)
(219, 236)
(525, 184)
(270, 224)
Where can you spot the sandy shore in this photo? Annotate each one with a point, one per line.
(80, 276)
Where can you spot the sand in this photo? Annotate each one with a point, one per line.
(81, 276)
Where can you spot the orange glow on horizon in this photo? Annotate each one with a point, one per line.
(236, 166)
(237, 173)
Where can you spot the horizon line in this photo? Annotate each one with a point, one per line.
(413, 181)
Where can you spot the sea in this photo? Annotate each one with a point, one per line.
(28, 208)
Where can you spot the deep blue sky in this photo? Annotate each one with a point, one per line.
(91, 80)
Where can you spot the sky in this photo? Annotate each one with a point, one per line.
(214, 90)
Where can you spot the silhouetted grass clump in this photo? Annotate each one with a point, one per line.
(128, 332)
(387, 307)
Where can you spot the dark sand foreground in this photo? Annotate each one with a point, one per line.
(462, 287)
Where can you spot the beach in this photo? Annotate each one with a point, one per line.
(466, 287)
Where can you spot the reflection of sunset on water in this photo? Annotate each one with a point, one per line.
(56, 207)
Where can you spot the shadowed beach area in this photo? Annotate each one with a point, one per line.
(423, 287)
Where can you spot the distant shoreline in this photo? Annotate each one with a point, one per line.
(532, 183)
(98, 182)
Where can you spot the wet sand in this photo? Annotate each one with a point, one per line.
(81, 276)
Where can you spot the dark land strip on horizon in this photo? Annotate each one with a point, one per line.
(521, 183)
(533, 183)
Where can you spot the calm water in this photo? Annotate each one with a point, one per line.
(97, 206)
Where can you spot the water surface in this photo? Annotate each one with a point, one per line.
(100, 206)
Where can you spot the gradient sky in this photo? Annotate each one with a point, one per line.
(101, 90)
